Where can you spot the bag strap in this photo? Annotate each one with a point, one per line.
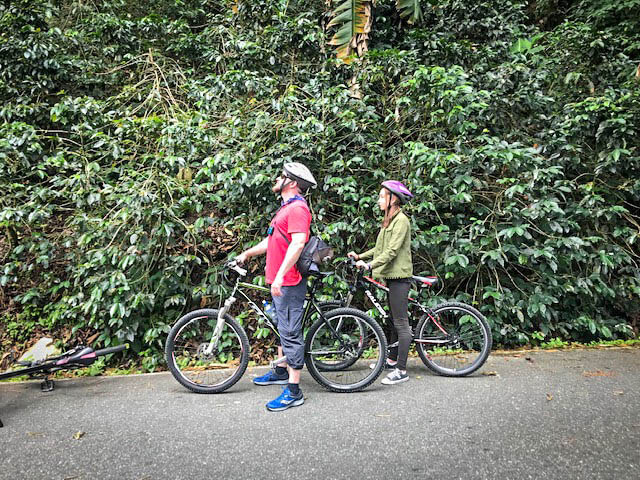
(284, 236)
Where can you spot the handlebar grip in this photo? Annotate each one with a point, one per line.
(107, 351)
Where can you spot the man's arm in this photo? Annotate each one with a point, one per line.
(259, 249)
(294, 250)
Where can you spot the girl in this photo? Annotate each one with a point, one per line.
(392, 262)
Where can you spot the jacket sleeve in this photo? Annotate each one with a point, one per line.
(398, 234)
(367, 254)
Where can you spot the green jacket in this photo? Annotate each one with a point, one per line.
(392, 253)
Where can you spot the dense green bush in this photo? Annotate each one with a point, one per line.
(138, 148)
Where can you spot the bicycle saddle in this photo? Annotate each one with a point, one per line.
(425, 281)
(315, 271)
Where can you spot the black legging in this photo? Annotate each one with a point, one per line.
(400, 330)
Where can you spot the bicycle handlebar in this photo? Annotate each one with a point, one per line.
(107, 351)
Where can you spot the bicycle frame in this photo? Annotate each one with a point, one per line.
(310, 303)
(362, 282)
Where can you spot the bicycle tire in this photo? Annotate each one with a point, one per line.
(316, 351)
(462, 346)
(200, 324)
(326, 307)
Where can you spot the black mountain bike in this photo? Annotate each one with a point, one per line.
(452, 339)
(77, 357)
(207, 350)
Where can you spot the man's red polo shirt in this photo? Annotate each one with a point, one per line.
(294, 217)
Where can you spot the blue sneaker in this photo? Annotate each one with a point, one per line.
(271, 378)
(285, 400)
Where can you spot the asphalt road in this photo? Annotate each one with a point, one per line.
(568, 415)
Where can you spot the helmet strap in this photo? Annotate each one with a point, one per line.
(284, 183)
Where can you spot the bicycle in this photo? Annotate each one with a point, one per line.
(452, 338)
(207, 350)
(78, 357)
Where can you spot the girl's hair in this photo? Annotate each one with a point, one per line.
(392, 208)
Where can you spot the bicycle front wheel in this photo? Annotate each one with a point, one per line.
(454, 339)
(326, 307)
(350, 339)
(190, 362)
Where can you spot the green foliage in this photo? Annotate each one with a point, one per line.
(138, 149)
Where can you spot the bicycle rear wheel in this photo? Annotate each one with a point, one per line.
(188, 360)
(353, 346)
(454, 340)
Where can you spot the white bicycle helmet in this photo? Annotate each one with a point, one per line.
(301, 174)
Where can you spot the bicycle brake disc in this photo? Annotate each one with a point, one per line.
(201, 352)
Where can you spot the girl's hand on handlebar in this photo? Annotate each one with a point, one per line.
(362, 264)
(353, 255)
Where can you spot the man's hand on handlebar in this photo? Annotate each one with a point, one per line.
(353, 255)
(241, 259)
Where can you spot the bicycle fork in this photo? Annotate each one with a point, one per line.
(219, 325)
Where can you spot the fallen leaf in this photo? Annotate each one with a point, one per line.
(549, 397)
(529, 359)
(490, 374)
(35, 434)
(383, 415)
(79, 435)
(72, 478)
(92, 338)
(517, 355)
(598, 373)
(618, 392)
(418, 377)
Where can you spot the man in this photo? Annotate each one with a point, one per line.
(286, 237)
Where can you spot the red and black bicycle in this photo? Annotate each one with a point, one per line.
(451, 338)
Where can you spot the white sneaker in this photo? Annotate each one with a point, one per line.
(395, 377)
(387, 366)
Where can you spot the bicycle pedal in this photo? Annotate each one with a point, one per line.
(274, 363)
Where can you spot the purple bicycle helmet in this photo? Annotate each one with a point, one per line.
(398, 189)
